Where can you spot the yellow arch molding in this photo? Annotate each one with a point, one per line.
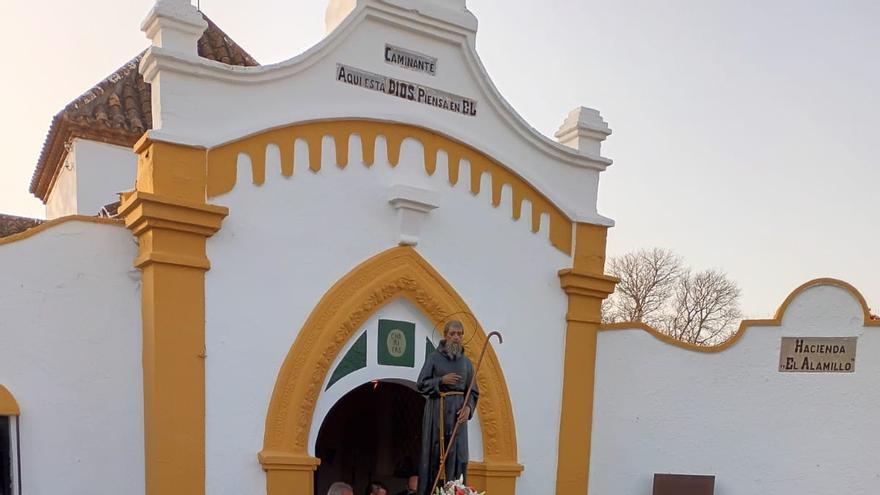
(57, 221)
(746, 324)
(397, 272)
(8, 405)
(222, 163)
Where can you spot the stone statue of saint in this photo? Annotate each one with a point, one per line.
(443, 381)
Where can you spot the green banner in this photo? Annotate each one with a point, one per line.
(396, 343)
(355, 359)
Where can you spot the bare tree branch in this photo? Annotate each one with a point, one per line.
(647, 278)
(700, 308)
(705, 308)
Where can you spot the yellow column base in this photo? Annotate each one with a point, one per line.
(493, 477)
(288, 474)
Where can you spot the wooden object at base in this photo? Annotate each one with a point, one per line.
(683, 484)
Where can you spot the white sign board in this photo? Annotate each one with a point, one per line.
(818, 354)
(411, 60)
(407, 90)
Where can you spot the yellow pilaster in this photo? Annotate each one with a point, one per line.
(168, 215)
(586, 287)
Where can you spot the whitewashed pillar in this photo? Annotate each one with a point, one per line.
(584, 129)
(175, 25)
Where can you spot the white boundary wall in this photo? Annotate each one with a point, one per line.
(664, 409)
(70, 353)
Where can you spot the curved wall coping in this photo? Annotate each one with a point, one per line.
(776, 321)
(56, 222)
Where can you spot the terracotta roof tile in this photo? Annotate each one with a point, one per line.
(110, 210)
(216, 45)
(11, 224)
(118, 109)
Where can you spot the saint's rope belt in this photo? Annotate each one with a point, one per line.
(443, 396)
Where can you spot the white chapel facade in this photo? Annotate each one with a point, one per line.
(283, 215)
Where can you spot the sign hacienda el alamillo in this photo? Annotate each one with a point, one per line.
(818, 354)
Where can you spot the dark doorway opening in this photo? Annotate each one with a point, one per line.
(5, 457)
(373, 433)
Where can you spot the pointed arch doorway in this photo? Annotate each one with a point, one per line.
(400, 272)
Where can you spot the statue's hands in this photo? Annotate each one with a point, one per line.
(450, 379)
(464, 414)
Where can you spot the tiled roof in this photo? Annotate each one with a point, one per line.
(11, 224)
(110, 210)
(118, 110)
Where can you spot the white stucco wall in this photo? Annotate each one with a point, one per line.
(285, 243)
(70, 352)
(663, 409)
(93, 173)
(102, 171)
(62, 198)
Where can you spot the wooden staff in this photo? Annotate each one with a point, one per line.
(458, 423)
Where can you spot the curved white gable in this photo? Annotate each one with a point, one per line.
(201, 102)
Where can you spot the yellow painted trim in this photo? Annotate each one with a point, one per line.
(776, 321)
(8, 404)
(222, 163)
(586, 286)
(396, 273)
(55, 222)
(168, 215)
(866, 311)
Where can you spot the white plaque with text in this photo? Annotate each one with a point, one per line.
(409, 59)
(406, 90)
(818, 355)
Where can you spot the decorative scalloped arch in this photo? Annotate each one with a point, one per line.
(397, 272)
(223, 164)
(776, 321)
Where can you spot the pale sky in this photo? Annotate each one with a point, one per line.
(744, 131)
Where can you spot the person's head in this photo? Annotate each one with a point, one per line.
(453, 331)
(340, 488)
(412, 484)
(452, 334)
(376, 488)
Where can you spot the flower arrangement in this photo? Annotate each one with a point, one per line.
(457, 487)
